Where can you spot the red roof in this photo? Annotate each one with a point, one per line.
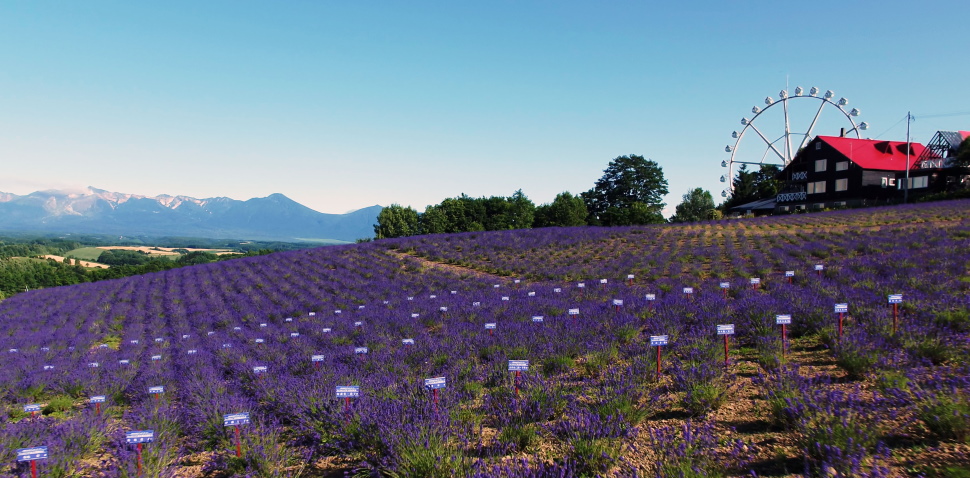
(875, 154)
(964, 134)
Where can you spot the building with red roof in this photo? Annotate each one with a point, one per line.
(833, 171)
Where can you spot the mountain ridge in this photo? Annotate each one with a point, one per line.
(94, 210)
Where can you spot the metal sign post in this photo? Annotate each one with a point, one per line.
(658, 341)
(727, 331)
(138, 438)
(841, 309)
(234, 420)
(518, 366)
(895, 300)
(783, 321)
(32, 455)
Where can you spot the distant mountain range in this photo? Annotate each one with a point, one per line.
(96, 211)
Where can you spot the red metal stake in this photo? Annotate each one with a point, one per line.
(629, 282)
(139, 459)
(784, 339)
(33, 468)
(840, 325)
(97, 408)
(517, 375)
(347, 405)
(895, 317)
(238, 443)
(725, 293)
(789, 280)
(434, 392)
(33, 414)
(490, 332)
(658, 362)
(726, 350)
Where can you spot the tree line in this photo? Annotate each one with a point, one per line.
(21, 269)
(630, 192)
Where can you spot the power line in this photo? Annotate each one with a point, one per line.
(944, 115)
(893, 126)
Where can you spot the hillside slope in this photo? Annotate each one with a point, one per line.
(276, 336)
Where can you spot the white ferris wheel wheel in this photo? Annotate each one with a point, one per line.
(774, 131)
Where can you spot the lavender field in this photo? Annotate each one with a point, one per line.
(275, 336)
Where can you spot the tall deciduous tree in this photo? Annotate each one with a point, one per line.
(631, 191)
(698, 205)
(396, 221)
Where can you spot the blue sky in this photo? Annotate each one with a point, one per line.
(343, 105)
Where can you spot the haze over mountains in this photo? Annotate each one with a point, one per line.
(96, 211)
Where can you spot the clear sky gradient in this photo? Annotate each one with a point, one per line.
(343, 105)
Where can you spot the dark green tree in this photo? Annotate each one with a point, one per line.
(697, 205)
(122, 257)
(753, 185)
(196, 257)
(566, 210)
(521, 211)
(434, 220)
(963, 154)
(631, 191)
(396, 221)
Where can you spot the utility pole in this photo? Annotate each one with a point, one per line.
(909, 118)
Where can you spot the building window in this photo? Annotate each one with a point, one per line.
(887, 181)
(841, 165)
(818, 146)
(842, 184)
(818, 187)
(820, 165)
(918, 182)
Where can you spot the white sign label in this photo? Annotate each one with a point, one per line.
(658, 340)
(727, 329)
(783, 319)
(518, 365)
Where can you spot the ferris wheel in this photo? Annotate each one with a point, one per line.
(773, 130)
